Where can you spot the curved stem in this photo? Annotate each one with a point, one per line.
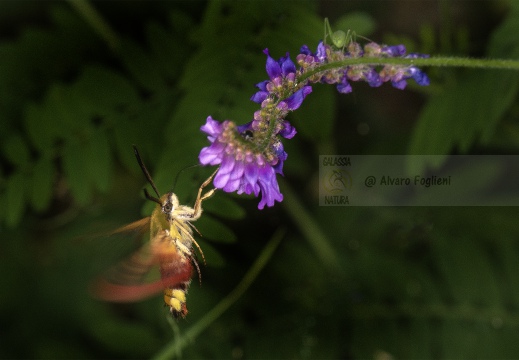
(432, 61)
(176, 346)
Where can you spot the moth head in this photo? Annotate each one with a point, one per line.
(169, 204)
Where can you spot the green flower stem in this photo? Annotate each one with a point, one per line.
(422, 62)
(271, 128)
(96, 21)
(190, 335)
(308, 227)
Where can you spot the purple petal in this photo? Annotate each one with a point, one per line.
(344, 86)
(225, 178)
(211, 155)
(259, 97)
(262, 85)
(212, 127)
(417, 56)
(280, 151)
(233, 183)
(295, 101)
(287, 66)
(281, 156)
(220, 180)
(373, 78)
(321, 52)
(419, 76)
(278, 168)
(288, 131)
(227, 165)
(272, 67)
(245, 127)
(395, 50)
(269, 188)
(251, 173)
(305, 50)
(399, 84)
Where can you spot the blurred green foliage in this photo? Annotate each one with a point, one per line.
(407, 282)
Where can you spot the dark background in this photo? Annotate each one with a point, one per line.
(75, 94)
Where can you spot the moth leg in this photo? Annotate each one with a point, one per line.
(197, 208)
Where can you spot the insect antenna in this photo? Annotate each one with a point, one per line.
(152, 198)
(180, 172)
(148, 177)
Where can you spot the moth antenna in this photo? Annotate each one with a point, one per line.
(180, 172)
(152, 198)
(145, 171)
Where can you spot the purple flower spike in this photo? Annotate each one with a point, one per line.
(251, 155)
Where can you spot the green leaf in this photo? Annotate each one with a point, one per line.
(215, 230)
(211, 255)
(166, 48)
(509, 257)
(504, 43)
(15, 149)
(104, 90)
(76, 172)
(38, 57)
(464, 113)
(42, 183)
(99, 160)
(72, 114)
(141, 65)
(15, 195)
(469, 110)
(225, 207)
(467, 269)
(41, 126)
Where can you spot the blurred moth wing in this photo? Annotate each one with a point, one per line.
(127, 281)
